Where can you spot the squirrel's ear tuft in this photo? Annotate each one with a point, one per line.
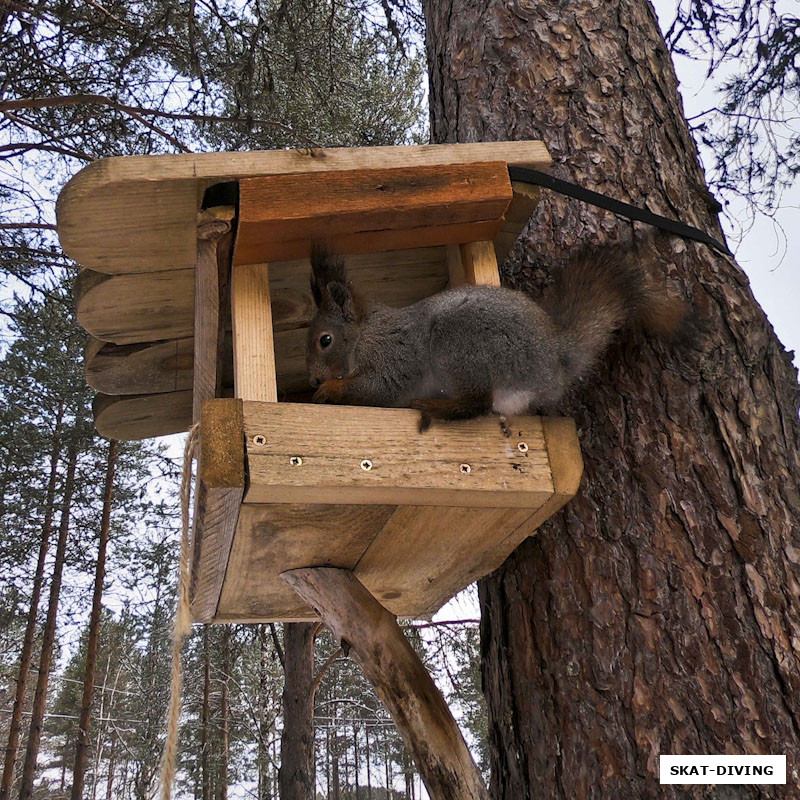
(324, 269)
(340, 300)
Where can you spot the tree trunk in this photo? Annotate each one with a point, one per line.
(660, 611)
(111, 765)
(367, 757)
(296, 774)
(81, 748)
(388, 766)
(224, 713)
(356, 763)
(48, 634)
(400, 679)
(15, 724)
(205, 768)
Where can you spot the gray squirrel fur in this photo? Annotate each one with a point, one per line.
(474, 350)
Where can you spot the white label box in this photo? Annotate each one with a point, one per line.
(722, 769)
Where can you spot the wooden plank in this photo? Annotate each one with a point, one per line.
(211, 227)
(566, 465)
(455, 266)
(397, 278)
(253, 346)
(480, 263)
(220, 486)
(387, 659)
(133, 417)
(376, 456)
(272, 538)
(149, 307)
(260, 249)
(525, 199)
(276, 208)
(452, 547)
(147, 368)
(136, 213)
(136, 307)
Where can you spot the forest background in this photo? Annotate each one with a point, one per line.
(121, 78)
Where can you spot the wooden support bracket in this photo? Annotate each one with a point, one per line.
(378, 645)
(220, 488)
(211, 227)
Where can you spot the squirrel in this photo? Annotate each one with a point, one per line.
(473, 350)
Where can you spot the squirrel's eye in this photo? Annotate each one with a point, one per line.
(325, 340)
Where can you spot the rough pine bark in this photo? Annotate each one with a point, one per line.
(82, 744)
(660, 611)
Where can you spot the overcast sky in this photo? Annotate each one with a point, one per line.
(768, 251)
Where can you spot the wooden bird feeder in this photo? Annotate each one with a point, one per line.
(201, 314)
(195, 291)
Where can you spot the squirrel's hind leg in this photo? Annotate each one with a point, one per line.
(465, 406)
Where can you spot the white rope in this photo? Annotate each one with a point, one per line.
(183, 622)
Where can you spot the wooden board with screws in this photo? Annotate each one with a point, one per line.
(416, 517)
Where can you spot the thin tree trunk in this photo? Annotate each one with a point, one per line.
(264, 778)
(327, 759)
(660, 611)
(111, 764)
(222, 778)
(335, 758)
(388, 755)
(205, 767)
(356, 768)
(49, 633)
(81, 748)
(369, 775)
(296, 774)
(15, 724)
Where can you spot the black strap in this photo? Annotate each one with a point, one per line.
(526, 175)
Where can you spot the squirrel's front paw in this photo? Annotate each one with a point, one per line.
(331, 391)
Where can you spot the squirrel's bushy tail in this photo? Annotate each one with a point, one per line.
(602, 291)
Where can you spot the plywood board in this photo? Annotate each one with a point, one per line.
(137, 213)
(346, 454)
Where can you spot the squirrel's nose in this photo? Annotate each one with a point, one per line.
(315, 382)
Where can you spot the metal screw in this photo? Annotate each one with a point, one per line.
(522, 447)
(366, 465)
(259, 439)
(465, 468)
(296, 461)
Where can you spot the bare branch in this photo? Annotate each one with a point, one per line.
(21, 226)
(20, 148)
(323, 669)
(138, 111)
(277, 644)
